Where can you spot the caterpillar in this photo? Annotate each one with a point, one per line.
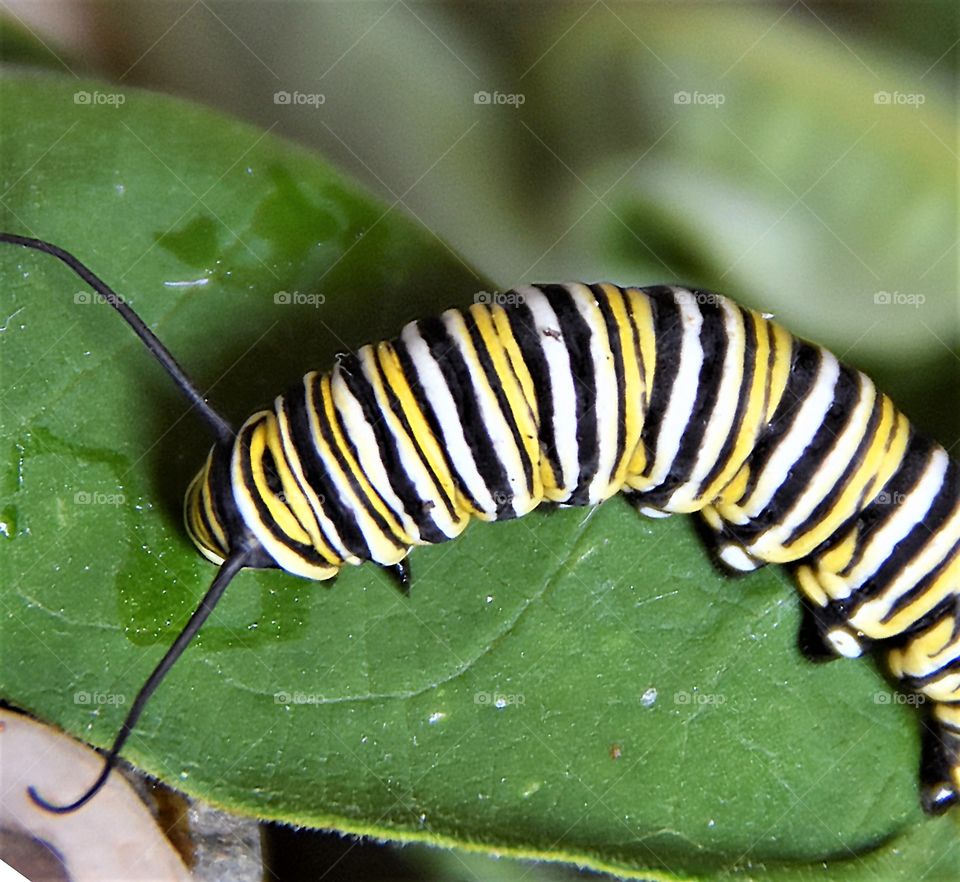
(677, 397)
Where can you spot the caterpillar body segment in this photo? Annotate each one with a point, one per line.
(678, 398)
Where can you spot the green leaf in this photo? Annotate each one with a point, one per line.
(578, 685)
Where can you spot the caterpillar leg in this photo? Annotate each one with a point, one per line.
(828, 619)
(638, 501)
(927, 661)
(812, 635)
(728, 552)
(400, 573)
(940, 762)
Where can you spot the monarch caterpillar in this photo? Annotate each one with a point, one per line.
(679, 398)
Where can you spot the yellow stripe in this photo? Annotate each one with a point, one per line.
(306, 503)
(422, 436)
(944, 586)
(521, 411)
(751, 421)
(838, 558)
(206, 498)
(640, 313)
(398, 535)
(925, 654)
(876, 469)
(406, 445)
(810, 586)
(265, 437)
(949, 714)
(545, 478)
(633, 392)
(780, 373)
(195, 527)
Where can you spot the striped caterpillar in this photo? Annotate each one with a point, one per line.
(676, 397)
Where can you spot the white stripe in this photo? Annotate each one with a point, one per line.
(905, 516)
(823, 482)
(735, 557)
(725, 410)
(327, 530)
(368, 454)
(931, 555)
(326, 526)
(437, 392)
(495, 422)
(803, 428)
(380, 544)
(284, 556)
(410, 460)
(683, 391)
(561, 387)
(606, 400)
(843, 642)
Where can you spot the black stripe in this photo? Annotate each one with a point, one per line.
(199, 512)
(846, 394)
(668, 334)
(947, 610)
(743, 400)
(804, 371)
(397, 409)
(352, 373)
(714, 343)
(221, 489)
(316, 475)
(427, 411)
(329, 436)
(577, 338)
(307, 552)
(903, 482)
(822, 509)
(496, 384)
(524, 329)
(877, 513)
(919, 538)
(457, 375)
(616, 350)
(635, 333)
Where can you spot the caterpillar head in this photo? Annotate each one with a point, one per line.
(247, 496)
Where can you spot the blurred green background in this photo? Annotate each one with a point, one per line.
(811, 172)
(801, 157)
